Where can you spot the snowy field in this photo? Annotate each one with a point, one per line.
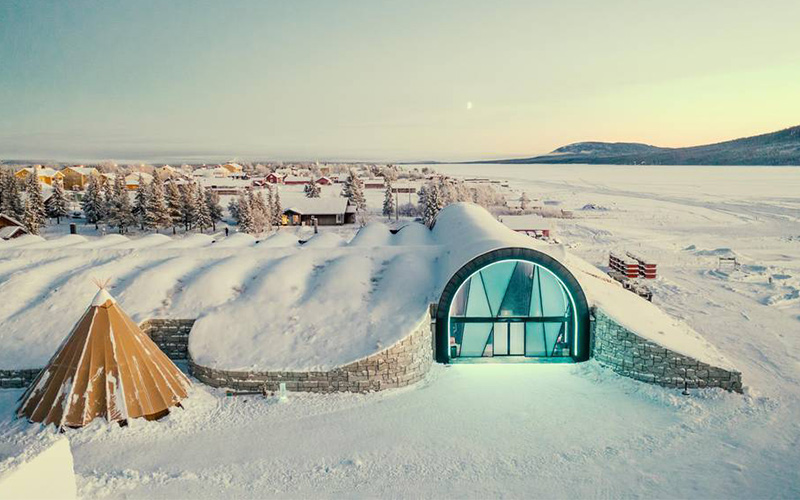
(529, 430)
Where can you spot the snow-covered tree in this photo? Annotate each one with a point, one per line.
(259, 212)
(34, 202)
(141, 201)
(120, 211)
(92, 203)
(347, 185)
(107, 190)
(312, 189)
(357, 197)
(174, 202)
(245, 218)
(188, 207)
(523, 201)
(203, 212)
(388, 199)
(233, 209)
(433, 204)
(30, 217)
(57, 205)
(277, 210)
(157, 213)
(214, 208)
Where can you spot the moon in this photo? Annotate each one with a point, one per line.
(469, 105)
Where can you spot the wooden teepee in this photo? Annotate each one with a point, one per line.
(107, 367)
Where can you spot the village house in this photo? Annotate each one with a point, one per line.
(324, 181)
(273, 178)
(132, 180)
(327, 212)
(77, 177)
(233, 168)
(296, 180)
(370, 183)
(10, 228)
(44, 174)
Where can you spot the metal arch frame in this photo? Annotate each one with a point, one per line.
(575, 293)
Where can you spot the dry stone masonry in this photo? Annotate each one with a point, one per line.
(633, 356)
(400, 365)
(170, 335)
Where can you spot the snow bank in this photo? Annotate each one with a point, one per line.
(103, 242)
(281, 239)
(324, 240)
(22, 241)
(374, 234)
(64, 241)
(149, 241)
(43, 470)
(412, 235)
(191, 241)
(237, 240)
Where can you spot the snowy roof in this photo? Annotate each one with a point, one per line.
(10, 231)
(43, 171)
(282, 306)
(83, 170)
(319, 206)
(296, 178)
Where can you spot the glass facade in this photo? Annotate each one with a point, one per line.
(512, 308)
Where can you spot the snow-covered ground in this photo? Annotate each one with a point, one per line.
(528, 430)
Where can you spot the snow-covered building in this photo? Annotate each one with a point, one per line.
(45, 175)
(76, 177)
(331, 211)
(368, 314)
(132, 180)
(11, 228)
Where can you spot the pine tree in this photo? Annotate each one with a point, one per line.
(233, 209)
(30, 217)
(119, 205)
(523, 201)
(357, 197)
(203, 212)
(108, 199)
(34, 202)
(157, 213)
(57, 207)
(245, 215)
(277, 211)
(174, 204)
(312, 189)
(188, 207)
(258, 211)
(347, 185)
(92, 202)
(11, 202)
(388, 199)
(140, 202)
(214, 208)
(433, 204)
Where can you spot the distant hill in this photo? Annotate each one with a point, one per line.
(776, 148)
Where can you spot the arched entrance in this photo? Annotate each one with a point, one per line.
(512, 304)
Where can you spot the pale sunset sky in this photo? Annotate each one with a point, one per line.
(388, 80)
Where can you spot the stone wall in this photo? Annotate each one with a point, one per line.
(17, 379)
(400, 365)
(633, 356)
(170, 335)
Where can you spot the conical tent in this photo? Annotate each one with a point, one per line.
(106, 367)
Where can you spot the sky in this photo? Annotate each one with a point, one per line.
(388, 80)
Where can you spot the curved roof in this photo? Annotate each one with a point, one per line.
(318, 305)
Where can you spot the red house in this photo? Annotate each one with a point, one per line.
(272, 178)
(296, 180)
(324, 181)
